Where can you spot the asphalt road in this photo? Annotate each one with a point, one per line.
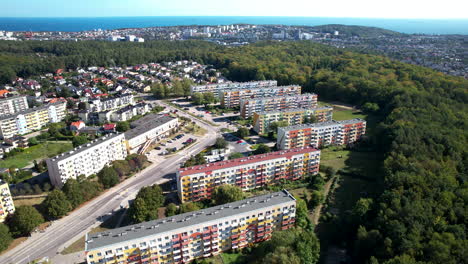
(48, 244)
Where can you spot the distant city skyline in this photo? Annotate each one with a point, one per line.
(417, 9)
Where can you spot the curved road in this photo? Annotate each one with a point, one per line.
(47, 244)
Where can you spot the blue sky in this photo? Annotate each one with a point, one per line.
(313, 8)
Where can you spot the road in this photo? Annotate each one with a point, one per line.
(78, 222)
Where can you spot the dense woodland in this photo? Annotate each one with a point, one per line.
(421, 215)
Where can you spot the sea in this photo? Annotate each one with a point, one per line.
(410, 26)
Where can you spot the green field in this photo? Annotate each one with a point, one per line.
(38, 152)
(345, 114)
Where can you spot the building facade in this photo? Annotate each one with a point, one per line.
(87, 159)
(6, 201)
(116, 102)
(11, 105)
(129, 111)
(147, 130)
(231, 98)
(204, 233)
(217, 87)
(198, 182)
(294, 116)
(321, 134)
(31, 119)
(261, 104)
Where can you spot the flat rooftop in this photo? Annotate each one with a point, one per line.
(264, 88)
(324, 124)
(244, 160)
(85, 146)
(146, 123)
(234, 84)
(291, 110)
(186, 220)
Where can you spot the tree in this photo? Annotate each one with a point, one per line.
(5, 237)
(56, 205)
(121, 167)
(108, 177)
(189, 207)
(370, 107)
(235, 155)
(122, 126)
(227, 194)
(73, 192)
(24, 220)
(197, 98)
(147, 202)
(274, 125)
(208, 98)
(33, 141)
(243, 132)
(220, 143)
(79, 140)
(171, 209)
(261, 149)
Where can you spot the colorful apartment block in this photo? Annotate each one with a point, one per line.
(6, 201)
(31, 119)
(197, 183)
(321, 134)
(204, 233)
(217, 87)
(294, 116)
(231, 98)
(251, 105)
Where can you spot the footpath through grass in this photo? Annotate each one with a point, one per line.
(38, 152)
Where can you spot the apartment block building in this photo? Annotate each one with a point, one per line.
(217, 87)
(14, 104)
(198, 182)
(86, 159)
(6, 201)
(294, 116)
(231, 98)
(31, 119)
(321, 134)
(110, 103)
(147, 130)
(261, 104)
(130, 111)
(204, 233)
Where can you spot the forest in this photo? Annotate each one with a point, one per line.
(421, 214)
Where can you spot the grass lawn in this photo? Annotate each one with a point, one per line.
(345, 114)
(232, 258)
(38, 152)
(29, 201)
(79, 245)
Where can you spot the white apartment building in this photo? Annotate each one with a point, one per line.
(6, 201)
(147, 130)
(87, 159)
(204, 233)
(31, 119)
(11, 105)
(116, 102)
(217, 87)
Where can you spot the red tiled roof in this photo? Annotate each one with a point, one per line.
(77, 123)
(109, 126)
(207, 168)
(3, 92)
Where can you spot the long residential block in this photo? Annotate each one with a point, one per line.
(110, 103)
(198, 182)
(148, 129)
(31, 119)
(6, 201)
(294, 116)
(251, 105)
(231, 98)
(204, 233)
(321, 134)
(217, 87)
(14, 104)
(87, 159)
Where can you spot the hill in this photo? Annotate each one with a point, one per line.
(358, 31)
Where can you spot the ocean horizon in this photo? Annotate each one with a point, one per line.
(70, 24)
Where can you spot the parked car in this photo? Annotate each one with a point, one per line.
(158, 148)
